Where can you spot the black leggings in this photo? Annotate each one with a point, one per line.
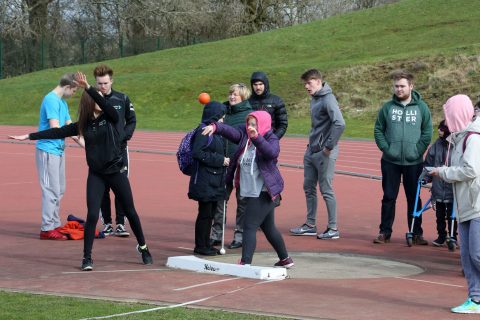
(444, 214)
(96, 185)
(107, 204)
(259, 212)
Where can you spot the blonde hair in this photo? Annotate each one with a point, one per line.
(242, 89)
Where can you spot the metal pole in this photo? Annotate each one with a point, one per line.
(82, 45)
(42, 54)
(121, 46)
(1, 58)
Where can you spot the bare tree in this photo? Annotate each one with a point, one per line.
(37, 21)
(62, 32)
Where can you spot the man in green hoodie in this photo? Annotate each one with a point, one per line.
(403, 131)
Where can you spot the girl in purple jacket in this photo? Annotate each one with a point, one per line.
(254, 169)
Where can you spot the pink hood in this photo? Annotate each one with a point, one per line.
(264, 121)
(458, 112)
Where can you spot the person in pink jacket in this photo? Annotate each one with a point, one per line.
(464, 173)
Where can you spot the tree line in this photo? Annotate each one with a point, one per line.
(39, 34)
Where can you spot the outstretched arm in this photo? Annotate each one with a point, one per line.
(19, 138)
(233, 134)
(52, 133)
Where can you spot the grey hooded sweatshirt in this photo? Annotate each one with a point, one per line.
(327, 120)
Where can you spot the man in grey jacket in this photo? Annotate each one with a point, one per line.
(322, 151)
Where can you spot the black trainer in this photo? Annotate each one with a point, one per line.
(87, 264)
(146, 256)
(207, 251)
(439, 242)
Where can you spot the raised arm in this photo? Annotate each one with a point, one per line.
(107, 108)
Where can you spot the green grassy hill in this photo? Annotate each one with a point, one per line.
(438, 40)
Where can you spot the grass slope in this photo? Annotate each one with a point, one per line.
(436, 39)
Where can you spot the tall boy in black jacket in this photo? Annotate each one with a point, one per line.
(126, 124)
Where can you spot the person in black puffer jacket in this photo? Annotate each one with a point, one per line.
(207, 183)
(262, 99)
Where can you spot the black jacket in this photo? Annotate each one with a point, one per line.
(127, 118)
(207, 182)
(102, 139)
(271, 103)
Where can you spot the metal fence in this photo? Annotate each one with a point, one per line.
(23, 56)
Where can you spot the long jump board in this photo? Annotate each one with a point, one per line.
(196, 264)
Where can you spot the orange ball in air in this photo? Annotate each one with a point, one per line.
(204, 98)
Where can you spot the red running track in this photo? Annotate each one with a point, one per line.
(29, 264)
(357, 157)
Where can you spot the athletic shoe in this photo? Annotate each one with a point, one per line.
(285, 263)
(304, 230)
(439, 242)
(419, 240)
(120, 231)
(87, 264)
(381, 239)
(214, 242)
(52, 235)
(240, 262)
(107, 230)
(329, 234)
(235, 245)
(207, 251)
(146, 256)
(467, 307)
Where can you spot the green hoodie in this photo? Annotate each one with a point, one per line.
(403, 133)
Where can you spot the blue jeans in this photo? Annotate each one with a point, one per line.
(469, 232)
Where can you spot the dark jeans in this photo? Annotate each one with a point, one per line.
(391, 174)
(96, 185)
(444, 213)
(203, 224)
(259, 212)
(106, 206)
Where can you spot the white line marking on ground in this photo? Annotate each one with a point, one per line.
(191, 249)
(113, 271)
(149, 310)
(205, 284)
(180, 304)
(432, 282)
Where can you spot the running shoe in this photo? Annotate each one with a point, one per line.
(304, 230)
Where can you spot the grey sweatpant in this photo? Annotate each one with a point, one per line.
(469, 232)
(319, 168)
(51, 175)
